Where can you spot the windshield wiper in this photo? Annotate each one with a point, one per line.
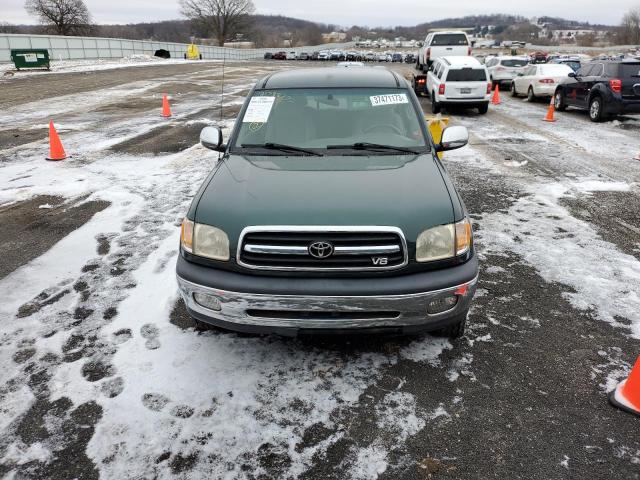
(281, 147)
(371, 146)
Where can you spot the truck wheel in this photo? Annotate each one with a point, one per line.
(455, 330)
(483, 109)
(435, 106)
(595, 109)
(559, 102)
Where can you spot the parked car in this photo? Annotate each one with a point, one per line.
(502, 70)
(460, 81)
(540, 80)
(280, 56)
(302, 56)
(410, 58)
(604, 88)
(383, 57)
(349, 64)
(370, 57)
(291, 55)
(396, 58)
(301, 227)
(353, 56)
(574, 63)
(338, 55)
(268, 55)
(324, 55)
(439, 44)
(539, 57)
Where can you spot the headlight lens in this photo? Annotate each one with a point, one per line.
(204, 240)
(435, 244)
(444, 241)
(210, 242)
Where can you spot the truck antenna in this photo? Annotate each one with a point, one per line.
(224, 58)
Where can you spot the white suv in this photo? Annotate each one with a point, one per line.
(505, 69)
(440, 44)
(460, 81)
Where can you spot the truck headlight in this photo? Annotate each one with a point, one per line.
(204, 240)
(210, 242)
(444, 241)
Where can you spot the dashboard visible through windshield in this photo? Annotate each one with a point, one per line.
(340, 120)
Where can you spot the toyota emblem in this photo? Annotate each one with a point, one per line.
(320, 249)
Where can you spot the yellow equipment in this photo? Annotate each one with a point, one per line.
(192, 52)
(436, 125)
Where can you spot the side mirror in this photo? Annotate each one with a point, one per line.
(573, 75)
(453, 138)
(211, 138)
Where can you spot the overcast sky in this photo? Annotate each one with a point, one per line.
(354, 12)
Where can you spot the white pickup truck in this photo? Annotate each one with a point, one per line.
(441, 44)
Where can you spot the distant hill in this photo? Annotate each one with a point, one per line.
(271, 30)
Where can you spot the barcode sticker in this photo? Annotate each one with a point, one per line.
(391, 99)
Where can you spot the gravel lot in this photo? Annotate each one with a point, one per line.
(105, 375)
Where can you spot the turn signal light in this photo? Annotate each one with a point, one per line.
(463, 236)
(186, 235)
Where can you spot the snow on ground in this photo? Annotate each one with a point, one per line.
(94, 65)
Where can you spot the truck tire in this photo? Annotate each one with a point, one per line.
(483, 109)
(559, 102)
(456, 329)
(596, 107)
(435, 106)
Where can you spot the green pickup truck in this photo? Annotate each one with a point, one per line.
(329, 212)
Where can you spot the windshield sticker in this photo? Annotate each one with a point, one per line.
(392, 99)
(258, 110)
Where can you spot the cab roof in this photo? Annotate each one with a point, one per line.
(332, 77)
(460, 61)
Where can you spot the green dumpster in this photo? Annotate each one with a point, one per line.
(30, 58)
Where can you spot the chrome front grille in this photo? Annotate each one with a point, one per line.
(322, 248)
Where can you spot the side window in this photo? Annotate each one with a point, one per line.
(585, 70)
(440, 71)
(598, 70)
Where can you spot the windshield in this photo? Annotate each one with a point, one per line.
(515, 63)
(467, 75)
(559, 69)
(449, 39)
(317, 118)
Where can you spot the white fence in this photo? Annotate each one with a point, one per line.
(72, 48)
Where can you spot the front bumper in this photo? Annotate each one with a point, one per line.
(292, 305)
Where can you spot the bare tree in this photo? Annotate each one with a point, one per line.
(63, 17)
(6, 27)
(630, 28)
(221, 18)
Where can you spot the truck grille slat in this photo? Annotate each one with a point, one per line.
(288, 248)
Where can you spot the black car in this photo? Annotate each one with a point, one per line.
(396, 58)
(604, 88)
(268, 55)
(410, 58)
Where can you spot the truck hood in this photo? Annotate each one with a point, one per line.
(404, 191)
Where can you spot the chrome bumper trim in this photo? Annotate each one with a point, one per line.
(411, 308)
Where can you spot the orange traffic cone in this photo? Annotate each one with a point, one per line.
(626, 395)
(166, 109)
(56, 150)
(550, 111)
(495, 100)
